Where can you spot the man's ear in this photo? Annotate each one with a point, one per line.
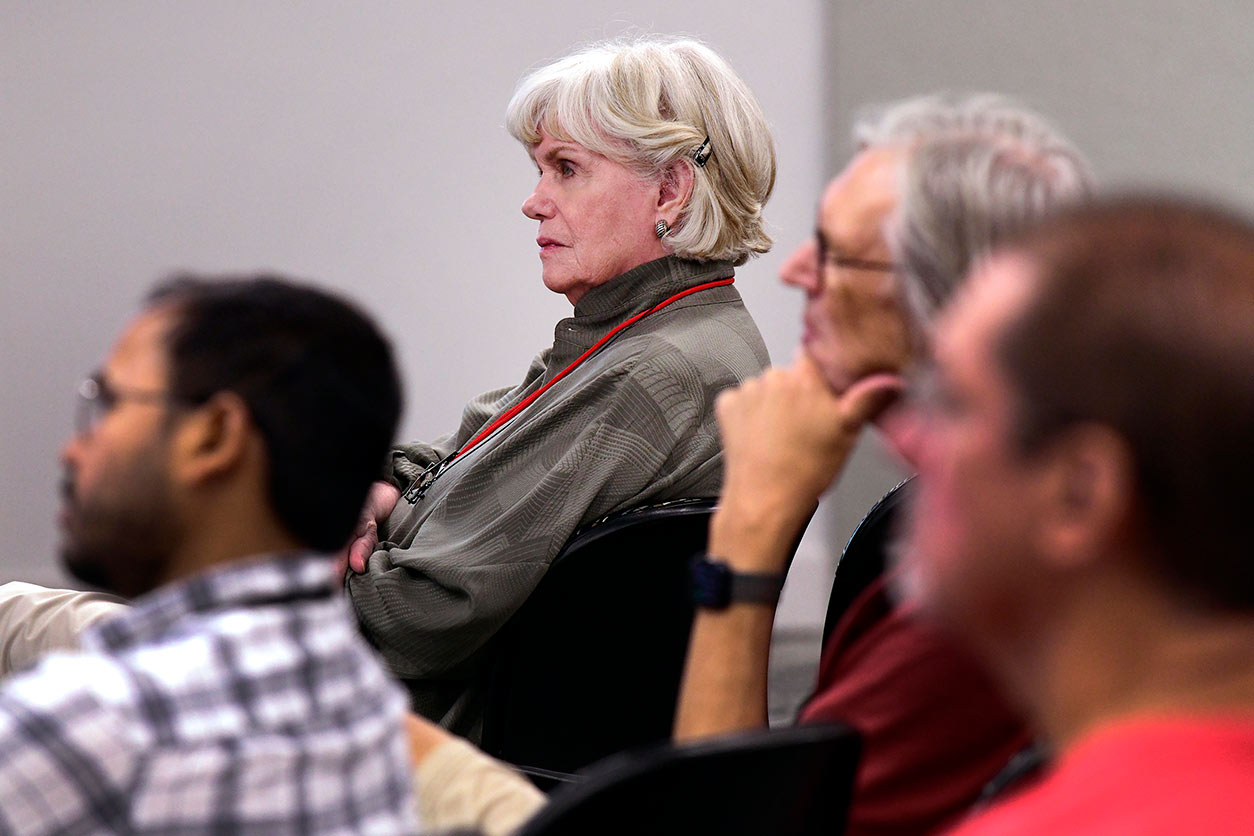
(214, 439)
(675, 190)
(1089, 483)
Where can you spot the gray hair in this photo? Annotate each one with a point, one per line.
(650, 104)
(979, 169)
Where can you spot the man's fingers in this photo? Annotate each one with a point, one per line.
(871, 395)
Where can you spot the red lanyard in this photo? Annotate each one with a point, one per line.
(424, 480)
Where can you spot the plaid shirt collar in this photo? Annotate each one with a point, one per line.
(250, 582)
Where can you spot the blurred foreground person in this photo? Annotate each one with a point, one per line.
(937, 183)
(236, 695)
(1083, 517)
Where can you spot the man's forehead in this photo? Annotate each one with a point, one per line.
(858, 201)
(138, 357)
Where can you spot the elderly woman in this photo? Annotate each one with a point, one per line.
(654, 162)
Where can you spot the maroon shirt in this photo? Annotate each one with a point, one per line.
(934, 728)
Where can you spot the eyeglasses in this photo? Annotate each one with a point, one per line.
(828, 257)
(861, 264)
(97, 398)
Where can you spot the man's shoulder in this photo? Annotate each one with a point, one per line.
(70, 754)
(67, 680)
(1152, 776)
(240, 671)
(886, 659)
(98, 697)
(249, 686)
(67, 735)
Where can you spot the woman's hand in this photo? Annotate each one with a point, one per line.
(380, 501)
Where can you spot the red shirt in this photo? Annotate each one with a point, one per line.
(934, 728)
(1146, 777)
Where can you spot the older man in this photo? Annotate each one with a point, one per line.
(1083, 513)
(236, 695)
(935, 184)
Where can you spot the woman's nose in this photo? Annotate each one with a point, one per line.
(537, 206)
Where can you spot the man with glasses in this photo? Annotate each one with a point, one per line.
(935, 183)
(236, 694)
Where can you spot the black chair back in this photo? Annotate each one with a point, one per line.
(591, 664)
(783, 782)
(866, 554)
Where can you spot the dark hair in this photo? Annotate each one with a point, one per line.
(317, 375)
(1142, 319)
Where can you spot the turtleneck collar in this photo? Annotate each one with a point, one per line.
(637, 290)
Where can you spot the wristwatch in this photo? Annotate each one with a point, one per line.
(715, 585)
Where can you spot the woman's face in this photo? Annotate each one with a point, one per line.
(597, 217)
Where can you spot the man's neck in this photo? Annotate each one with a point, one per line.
(227, 529)
(1124, 650)
(193, 561)
(900, 428)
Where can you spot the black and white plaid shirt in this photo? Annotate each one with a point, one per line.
(241, 701)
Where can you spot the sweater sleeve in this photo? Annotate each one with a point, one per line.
(430, 605)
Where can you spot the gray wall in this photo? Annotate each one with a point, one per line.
(359, 144)
(1154, 91)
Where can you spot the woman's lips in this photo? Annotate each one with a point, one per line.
(548, 244)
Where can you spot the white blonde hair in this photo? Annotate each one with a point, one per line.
(649, 104)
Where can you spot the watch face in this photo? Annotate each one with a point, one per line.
(711, 583)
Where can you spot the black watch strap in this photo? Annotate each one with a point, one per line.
(716, 586)
(756, 588)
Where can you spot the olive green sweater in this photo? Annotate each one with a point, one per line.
(633, 425)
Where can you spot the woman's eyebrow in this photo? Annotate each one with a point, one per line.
(556, 150)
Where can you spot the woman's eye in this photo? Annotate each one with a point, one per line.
(565, 168)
